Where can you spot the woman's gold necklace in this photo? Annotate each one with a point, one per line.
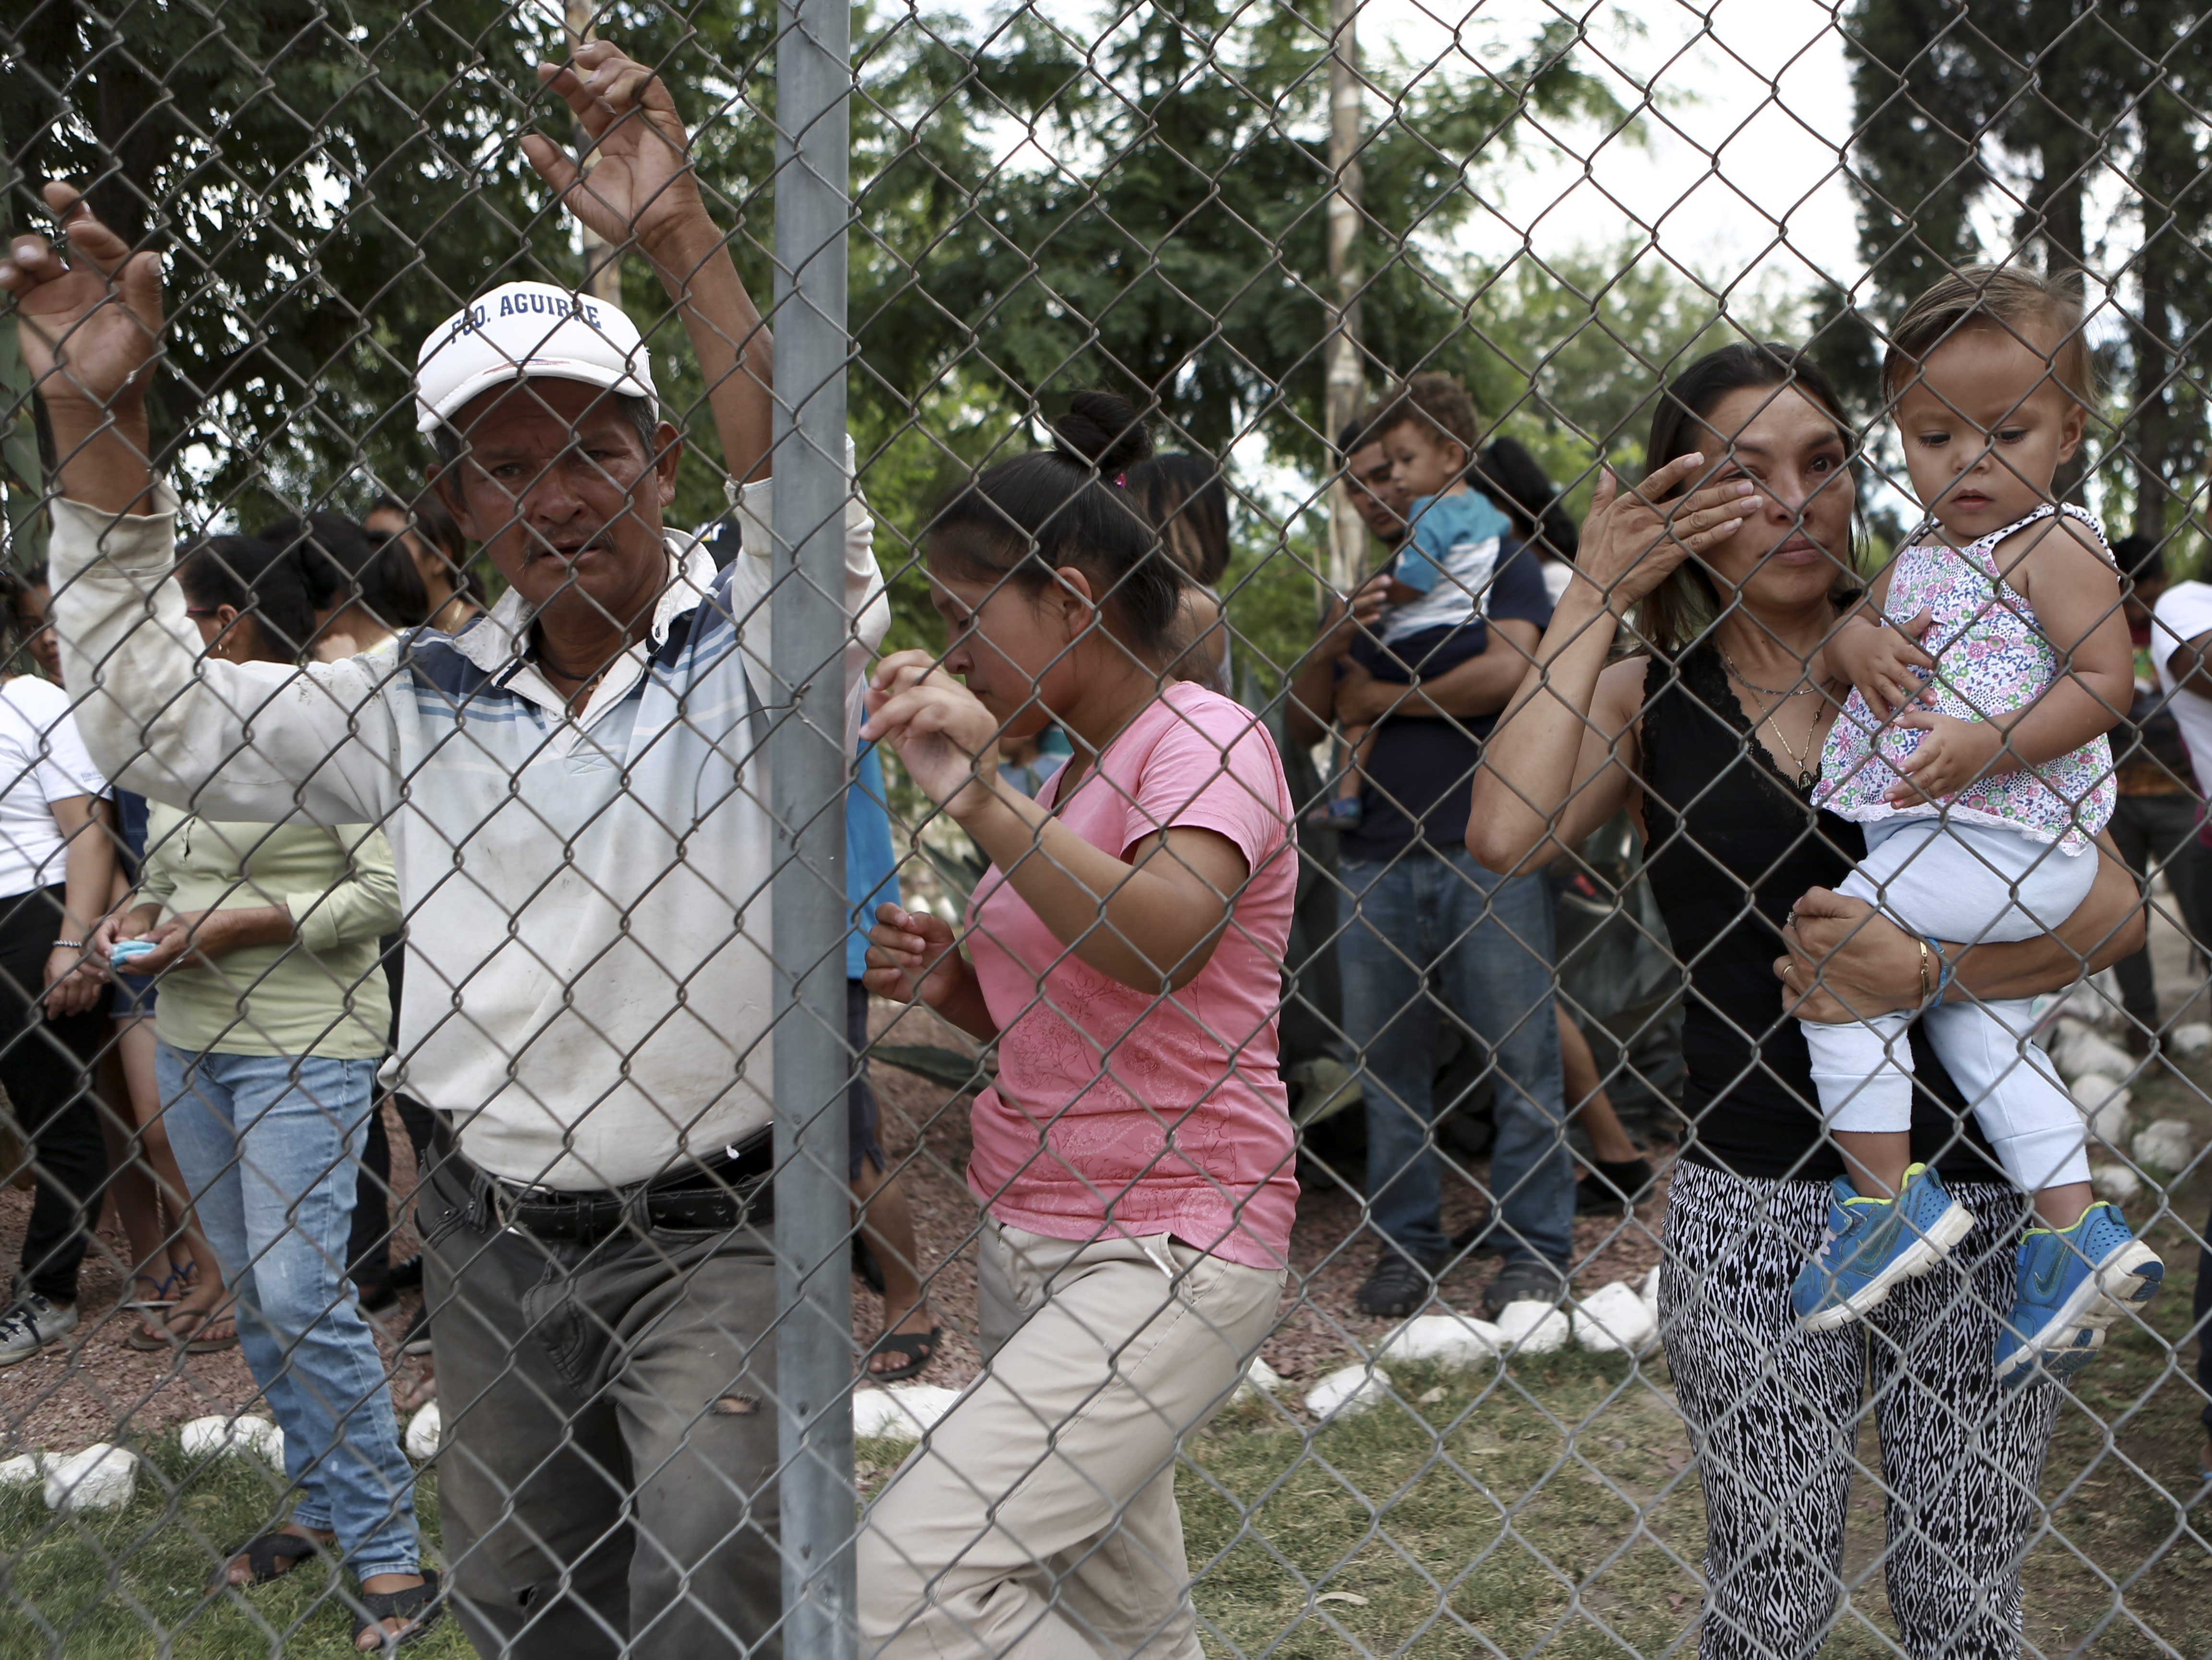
(1802, 763)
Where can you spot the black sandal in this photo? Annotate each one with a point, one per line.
(263, 1553)
(918, 1347)
(421, 1606)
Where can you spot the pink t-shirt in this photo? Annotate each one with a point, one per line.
(1128, 1111)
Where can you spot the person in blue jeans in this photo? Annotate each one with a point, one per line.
(892, 1259)
(271, 1022)
(1433, 937)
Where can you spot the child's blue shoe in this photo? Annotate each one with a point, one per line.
(1875, 1245)
(2074, 1283)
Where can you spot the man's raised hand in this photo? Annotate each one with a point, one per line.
(639, 186)
(92, 319)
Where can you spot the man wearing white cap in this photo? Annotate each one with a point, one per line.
(568, 786)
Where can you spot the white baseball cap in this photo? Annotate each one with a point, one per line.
(527, 329)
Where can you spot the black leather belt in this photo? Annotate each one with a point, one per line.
(714, 1194)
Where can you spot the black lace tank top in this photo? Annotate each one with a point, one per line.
(1732, 844)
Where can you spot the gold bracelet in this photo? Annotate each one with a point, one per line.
(1924, 988)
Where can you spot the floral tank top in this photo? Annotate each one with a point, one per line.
(1991, 659)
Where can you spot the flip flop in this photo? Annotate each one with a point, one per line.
(147, 1342)
(263, 1553)
(160, 1299)
(421, 1606)
(920, 1349)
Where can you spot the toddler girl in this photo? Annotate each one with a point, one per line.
(1978, 762)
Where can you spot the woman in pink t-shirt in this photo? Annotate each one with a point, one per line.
(1124, 953)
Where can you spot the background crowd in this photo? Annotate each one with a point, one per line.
(393, 802)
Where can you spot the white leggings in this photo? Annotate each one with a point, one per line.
(1969, 884)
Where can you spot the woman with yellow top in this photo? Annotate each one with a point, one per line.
(273, 1019)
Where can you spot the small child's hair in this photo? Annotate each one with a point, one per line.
(2009, 298)
(1438, 401)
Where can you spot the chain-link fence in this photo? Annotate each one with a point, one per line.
(1417, 1070)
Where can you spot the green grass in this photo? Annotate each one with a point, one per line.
(1548, 1504)
(1550, 1507)
(108, 1584)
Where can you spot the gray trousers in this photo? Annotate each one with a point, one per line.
(2152, 831)
(606, 1482)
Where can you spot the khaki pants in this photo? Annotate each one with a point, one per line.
(1038, 1520)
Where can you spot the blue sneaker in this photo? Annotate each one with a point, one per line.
(1875, 1245)
(2074, 1283)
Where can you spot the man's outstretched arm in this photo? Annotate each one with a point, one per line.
(640, 191)
(235, 740)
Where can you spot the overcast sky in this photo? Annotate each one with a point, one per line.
(1744, 152)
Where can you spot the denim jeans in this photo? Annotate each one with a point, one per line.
(1485, 941)
(270, 1146)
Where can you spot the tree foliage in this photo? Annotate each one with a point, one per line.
(328, 178)
(2028, 111)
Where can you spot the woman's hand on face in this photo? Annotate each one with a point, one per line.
(914, 958)
(1633, 540)
(945, 738)
(1845, 962)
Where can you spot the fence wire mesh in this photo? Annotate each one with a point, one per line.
(1159, 541)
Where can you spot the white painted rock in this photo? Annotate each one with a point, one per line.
(2164, 1146)
(1534, 1328)
(2190, 1041)
(1650, 1291)
(2116, 1182)
(2081, 1052)
(1260, 1378)
(1614, 1319)
(210, 1437)
(1456, 1340)
(26, 1470)
(102, 1477)
(423, 1430)
(2104, 1102)
(1348, 1389)
(901, 1412)
(2094, 1001)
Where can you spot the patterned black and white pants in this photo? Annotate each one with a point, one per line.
(1774, 1414)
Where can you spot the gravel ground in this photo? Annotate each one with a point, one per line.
(93, 1387)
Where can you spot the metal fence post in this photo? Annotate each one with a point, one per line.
(808, 769)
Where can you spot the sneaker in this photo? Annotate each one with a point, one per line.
(1875, 1245)
(415, 1339)
(2074, 1283)
(30, 1325)
(1398, 1286)
(1525, 1279)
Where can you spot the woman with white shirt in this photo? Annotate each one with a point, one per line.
(57, 865)
(2181, 653)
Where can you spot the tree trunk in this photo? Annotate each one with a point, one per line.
(1344, 382)
(2161, 446)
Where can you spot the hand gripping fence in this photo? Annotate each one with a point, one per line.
(1398, 935)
